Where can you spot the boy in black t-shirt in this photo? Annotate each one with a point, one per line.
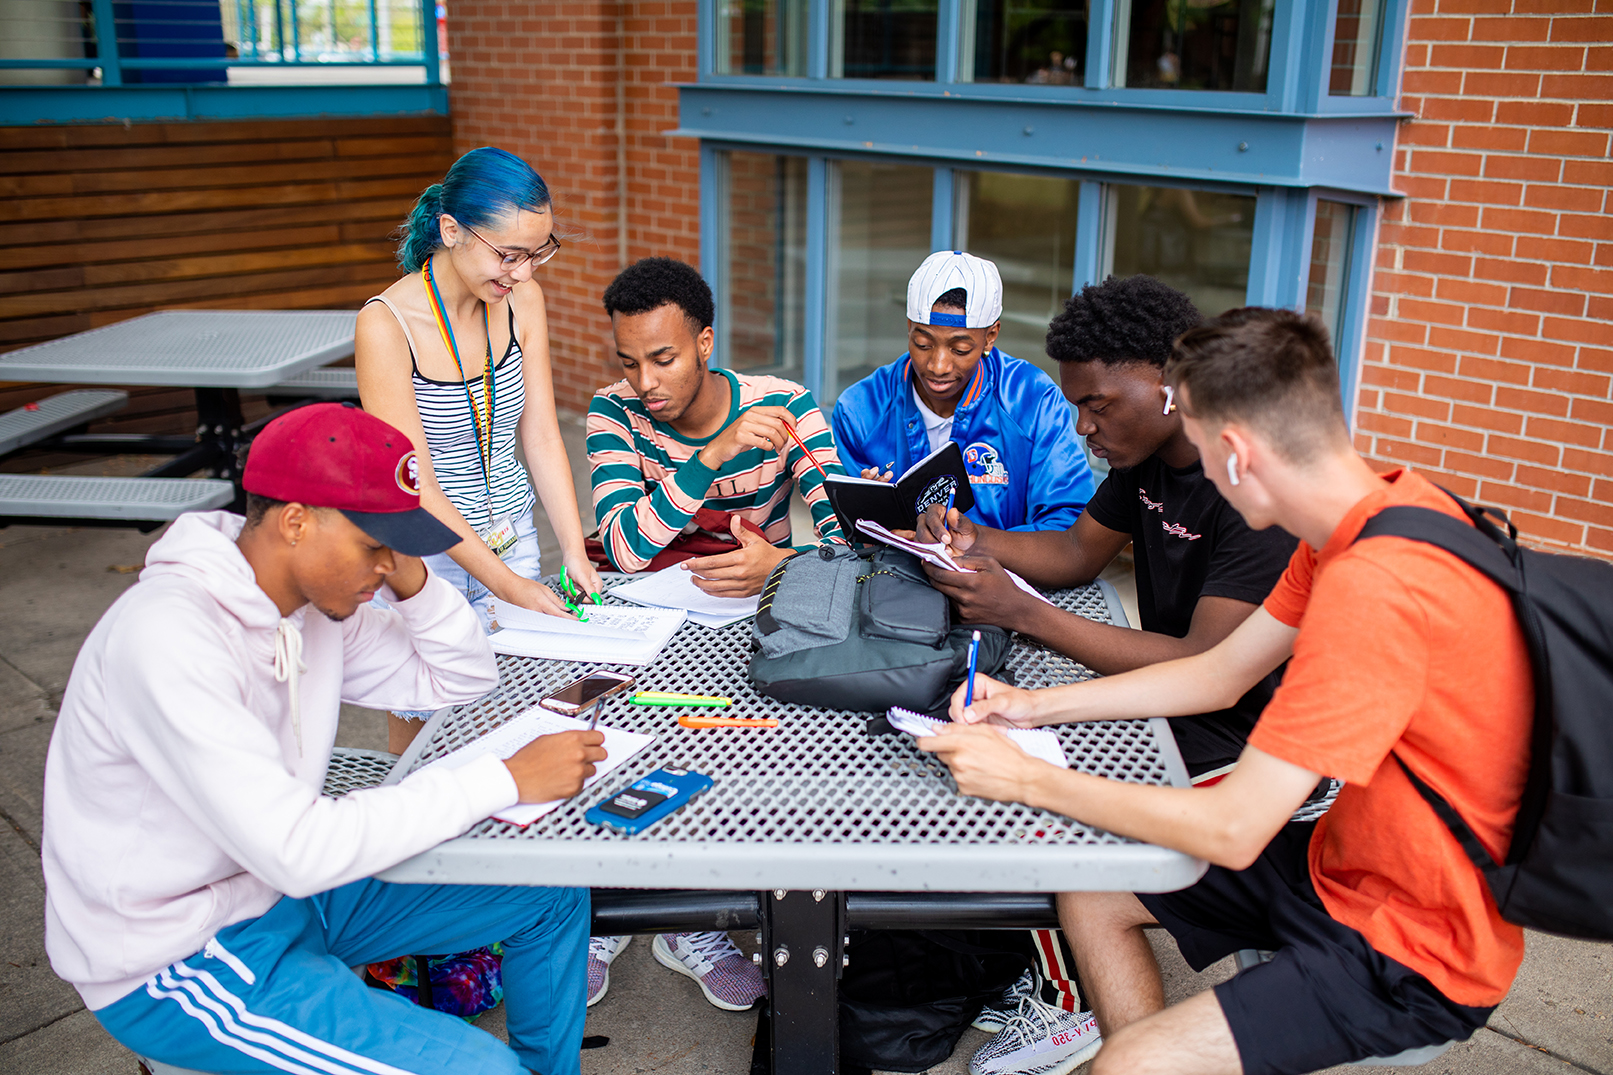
(1200, 570)
(1200, 573)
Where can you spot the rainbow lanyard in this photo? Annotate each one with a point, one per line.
(489, 382)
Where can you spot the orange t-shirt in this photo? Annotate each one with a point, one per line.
(1402, 646)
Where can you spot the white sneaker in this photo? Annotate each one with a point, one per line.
(729, 980)
(1039, 1039)
(996, 1013)
(601, 952)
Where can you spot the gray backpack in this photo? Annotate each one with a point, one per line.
(845, 630)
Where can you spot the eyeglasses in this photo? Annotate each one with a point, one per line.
(514, 259)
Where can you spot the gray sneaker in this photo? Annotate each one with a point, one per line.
(1039, 1039)
(996, 1013)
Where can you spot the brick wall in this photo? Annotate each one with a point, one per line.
(1489, 356)
(541, 81)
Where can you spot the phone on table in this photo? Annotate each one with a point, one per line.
(649, 799)
(585, 691)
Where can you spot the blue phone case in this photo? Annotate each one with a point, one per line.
(677, 785)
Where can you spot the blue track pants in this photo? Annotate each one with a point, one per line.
(276, 993)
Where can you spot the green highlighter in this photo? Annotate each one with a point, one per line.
(668, 698)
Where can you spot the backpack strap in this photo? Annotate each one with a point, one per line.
(1485, 548)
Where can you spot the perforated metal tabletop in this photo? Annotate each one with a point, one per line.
(191, 349)
(816, 803)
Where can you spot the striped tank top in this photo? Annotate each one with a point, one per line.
(451, 434)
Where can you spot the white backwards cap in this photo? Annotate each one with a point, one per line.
(946, 269)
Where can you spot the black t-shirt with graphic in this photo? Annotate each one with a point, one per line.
(1189, 543)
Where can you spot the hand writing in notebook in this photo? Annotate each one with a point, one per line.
(949, 527)
(555, 766)
(985, 592)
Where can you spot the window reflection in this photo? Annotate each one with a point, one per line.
(1041, 42)
(1026, 225)
(1355, 48)
(884, 233)
(1197, 241)
(883, 39)
(1193, 44)
(761, 37)
(1330, 264)
(766, 264)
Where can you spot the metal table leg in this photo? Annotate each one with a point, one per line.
(803, 950)
(218, 437)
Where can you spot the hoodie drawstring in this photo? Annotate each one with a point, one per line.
(288, 667)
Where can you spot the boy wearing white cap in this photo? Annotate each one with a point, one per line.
(1026, 467)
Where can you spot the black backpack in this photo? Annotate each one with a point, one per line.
(1558, 873)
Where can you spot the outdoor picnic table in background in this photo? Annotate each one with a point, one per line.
(811, 828)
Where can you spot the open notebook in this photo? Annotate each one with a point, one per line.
(612, 634)
(1037, 742)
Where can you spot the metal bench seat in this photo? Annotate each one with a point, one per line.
(28, 497)
(32, 423)
(340, 382)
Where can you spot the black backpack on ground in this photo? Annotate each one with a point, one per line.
(1558, 873)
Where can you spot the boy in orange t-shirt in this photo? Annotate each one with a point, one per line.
(1385, 935)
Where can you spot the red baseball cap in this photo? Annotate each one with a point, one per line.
(333, 455)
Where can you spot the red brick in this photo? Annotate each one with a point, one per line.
(1480, 242)
(1555, 480)
(1426, 29)
(1527, 350)
(1567, 303)
(1518, 399)
(1599, 411)
(1419, 406)
(1416, 133)
(1592, 114)
(1488, 369)
(1383, 328)
(1456, 388)
(1485, 191)
(1600, 463)
(1599, 307)
(1382, 423)
(1573, 199)
(1576, 87)
(1559, 328)
(1390, 377)
(1472, 292)
(1510, 321)
(1591, 29)
(1603, 491)
(1562, 250)
(1449, 436)
(1548, 529)
(1486, 418)
(1535, 113)
(1585, 511)
(1599, 539)
(1482, 465)
(1532, 450)
(1586, 436)
(1404, 284)
(1599, 281)
(1471, 57)
(1520, 220)
(1407, 452)
(1514, 496)
(1453, 216)
(1511, 28)
(1595, 385)
(1391, 233)
(1536, 169)
(1430, 261)
(1544, 58)
(1596, 173)
(1595, 358)
(1512, 272)
(1456, 339)
(1457, 109)
(1503, 84)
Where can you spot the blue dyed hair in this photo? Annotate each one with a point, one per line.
(482, 187)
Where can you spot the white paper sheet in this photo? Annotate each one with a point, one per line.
(613, 635)
(938, 554)
(603, 622)
(1037, 742)
(673, 587)
(512, 735)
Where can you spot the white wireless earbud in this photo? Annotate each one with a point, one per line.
(1232, 469)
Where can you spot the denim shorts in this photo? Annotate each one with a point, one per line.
(523, 560)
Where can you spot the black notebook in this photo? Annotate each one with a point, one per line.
(897, 506)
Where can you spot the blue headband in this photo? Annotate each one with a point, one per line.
(950, 320)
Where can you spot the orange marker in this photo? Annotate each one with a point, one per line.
(693, 720)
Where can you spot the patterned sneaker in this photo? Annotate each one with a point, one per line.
(1039, 1039)
(601, 951)
(729, 980)
(996, 1013)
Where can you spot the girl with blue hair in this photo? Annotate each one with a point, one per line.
(456, 355)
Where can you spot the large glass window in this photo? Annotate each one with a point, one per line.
(883, 39)
(1330, 264)
(1026, 225)
(1042, 42)
(883, 233)
(765, 266)
(1197, 241)
(761, 37)
(1193, 44)
(1355, 48)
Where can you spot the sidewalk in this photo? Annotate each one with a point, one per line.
(54, 585)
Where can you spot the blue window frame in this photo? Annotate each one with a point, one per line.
(1322, 130)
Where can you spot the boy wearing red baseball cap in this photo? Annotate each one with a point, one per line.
(201, 894)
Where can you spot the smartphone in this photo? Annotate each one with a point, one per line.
(649, 799)
(579, 694)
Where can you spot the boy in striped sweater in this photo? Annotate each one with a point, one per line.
(674, 437)
(670, 445)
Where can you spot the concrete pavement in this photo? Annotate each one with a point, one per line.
(55, 583)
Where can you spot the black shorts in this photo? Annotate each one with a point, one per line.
(1327, 997)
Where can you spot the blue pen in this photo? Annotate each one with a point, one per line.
(974, 659)
(952, 494)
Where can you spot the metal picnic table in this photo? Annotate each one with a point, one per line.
(811, 828)
(216, 352)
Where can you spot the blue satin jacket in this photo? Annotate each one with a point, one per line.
(1026, 466)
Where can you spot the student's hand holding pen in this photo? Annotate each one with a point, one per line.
(767, 428)
(994, 702)
(888, 475)
(948, 526)
(555, 766)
